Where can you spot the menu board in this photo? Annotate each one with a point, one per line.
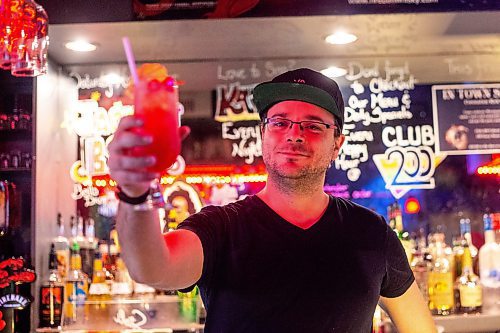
(467, 118)
(389, 131)
(390, 141)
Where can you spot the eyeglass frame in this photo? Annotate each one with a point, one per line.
(336, 128)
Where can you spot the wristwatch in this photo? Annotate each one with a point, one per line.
(131, 200)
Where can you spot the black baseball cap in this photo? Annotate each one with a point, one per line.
(304, 85)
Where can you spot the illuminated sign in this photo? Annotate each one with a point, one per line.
(14, 301)
(234, 102)
(103, 82)
(136, 320)
(248, 140)
(95, 126)
(379, 114)
(193, 195)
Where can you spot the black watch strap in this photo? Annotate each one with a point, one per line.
(131, 200)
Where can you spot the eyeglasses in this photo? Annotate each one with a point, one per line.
(281, 125)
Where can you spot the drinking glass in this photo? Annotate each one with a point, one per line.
(24, 42)
(6, 27)
(42, 40)
(156, 102)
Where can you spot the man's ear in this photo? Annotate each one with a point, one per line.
(338, 142)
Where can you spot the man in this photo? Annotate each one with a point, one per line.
(289, 259)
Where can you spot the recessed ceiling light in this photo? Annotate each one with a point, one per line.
(80, 46)
(340, 37)
(334, 71)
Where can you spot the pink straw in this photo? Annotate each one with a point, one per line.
(130, 59)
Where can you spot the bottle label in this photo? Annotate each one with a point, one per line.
(77, 292)
(121, 288)
(99, 289)
(470, 296)
(51, 303)
(441, 289)
(62, 262)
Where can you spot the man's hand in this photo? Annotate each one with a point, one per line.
(130, 172)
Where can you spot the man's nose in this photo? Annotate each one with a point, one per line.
(295, 133)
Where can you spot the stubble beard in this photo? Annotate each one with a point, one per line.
(302, 180)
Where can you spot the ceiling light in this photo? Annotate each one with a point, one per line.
(340, 38)
(80, 46)
(334, 71)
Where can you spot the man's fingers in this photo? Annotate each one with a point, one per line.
(129, 122)
(128, 139)
(123, 162)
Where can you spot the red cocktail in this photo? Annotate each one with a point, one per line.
(156, 102)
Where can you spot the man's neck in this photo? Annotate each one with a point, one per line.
(300, 208)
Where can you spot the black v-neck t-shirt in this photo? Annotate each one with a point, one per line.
(264, 274)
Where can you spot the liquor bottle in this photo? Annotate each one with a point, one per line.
(465, 231)
(4, 208)
(390, 216)
(440, 287)
(496, 226)
(76, 288)
(143, 291)
(61, 245)
(99, 291)
(469, 297)
(458, 252)
(73, 230)
(188, 305)
(108, 260)
(52, 294)
(489, 267)
(403, 235)
(88, 244)
(122, 286)
(377, 322)
(420, 268)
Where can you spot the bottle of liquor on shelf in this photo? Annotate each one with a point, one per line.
(61, 245)
(76, 288)
(122, 286)
(378, 325)
(99, 291)
(496, 226)
(52, 294)
(458, 252)
(403, 235)
(108, 260)
(468, 291)
(143, 291)
(465, 232)
(440, 289)
(489, 267)
(390, 216)
(420, 268)
(88, 244)
(188, 304)
(73, 229)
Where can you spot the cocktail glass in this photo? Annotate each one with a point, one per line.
(156, 102)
